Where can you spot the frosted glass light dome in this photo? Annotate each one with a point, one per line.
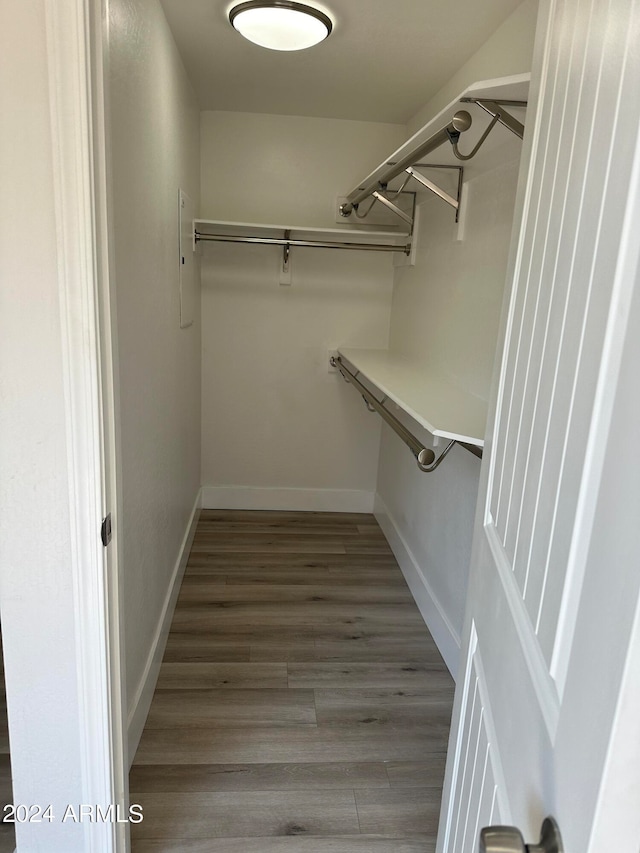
(280, 25)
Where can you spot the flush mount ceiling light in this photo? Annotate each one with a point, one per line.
(280, 25)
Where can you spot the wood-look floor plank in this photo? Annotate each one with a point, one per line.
(206, 676)
(204, 593)
(356, 742)
(339, 628)
(297, 844)
(248, 814)
(413, 811)
(328, 577)
(400, 675)
(202, 648)
(276, 546)
(357, 647)
(266, 528)
(171, 778)
(193, 648)
(417, 774)
(288, 651)
(386, 707)
(215, 617)
(7, 838)
(266, 560)
(231, 708)
(5, 779)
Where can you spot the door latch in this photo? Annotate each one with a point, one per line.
(508, 839)
(106, 530)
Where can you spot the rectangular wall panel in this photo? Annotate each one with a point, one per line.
(559, 310)
(475, 801)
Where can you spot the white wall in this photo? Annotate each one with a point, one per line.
(36, 588)
(279, 430)
(508, 51)
(446, 312)
(154, 139)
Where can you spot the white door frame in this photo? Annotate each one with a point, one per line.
(76, 35)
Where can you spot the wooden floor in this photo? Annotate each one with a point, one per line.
(7, 834)
(302, 706)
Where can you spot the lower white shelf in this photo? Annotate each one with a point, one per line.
(439, 406)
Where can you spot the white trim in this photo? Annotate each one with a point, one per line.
(303, 500)
(545, 686)
(445, 635)
(80, 287)
(139, 707)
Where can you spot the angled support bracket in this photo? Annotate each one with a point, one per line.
(385, 201)
(434, 188)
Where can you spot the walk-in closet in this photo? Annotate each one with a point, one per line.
(346, 276)
(318, 443)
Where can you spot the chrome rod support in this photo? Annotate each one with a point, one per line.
(425, 182)
(460, 122)
(425, 457)
(498, 111)
(478, 144)
(434, 188)
(393, 207)
(286, 252)
(312, 244)
(428, 468)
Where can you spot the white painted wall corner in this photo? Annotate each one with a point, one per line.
(446, 637)
(139, 706)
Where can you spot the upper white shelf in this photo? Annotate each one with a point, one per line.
(440, 407)
(301, 232)
(514, 88)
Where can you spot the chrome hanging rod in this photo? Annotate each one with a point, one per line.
(460, 122)
(311, 244)
(425, 457)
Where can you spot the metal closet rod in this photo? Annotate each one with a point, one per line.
(460, 122)
(312, 244)
(425, 457)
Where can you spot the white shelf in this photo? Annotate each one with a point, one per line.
(300, 232)
(515, 88)
(440, 407)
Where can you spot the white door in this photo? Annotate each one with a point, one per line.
(547, 712)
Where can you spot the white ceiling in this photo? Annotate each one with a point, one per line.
(383, 61)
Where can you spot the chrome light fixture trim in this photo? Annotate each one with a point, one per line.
(317, 15)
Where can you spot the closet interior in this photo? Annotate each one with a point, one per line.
(408, 317)
(321, 259)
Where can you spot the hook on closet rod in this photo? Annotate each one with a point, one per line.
(425, 457)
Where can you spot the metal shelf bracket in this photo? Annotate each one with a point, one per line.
(434, 188)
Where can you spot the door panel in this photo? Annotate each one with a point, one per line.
(573, 272)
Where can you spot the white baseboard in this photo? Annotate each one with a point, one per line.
(139, 707)
(446, 637)
(304, 500)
